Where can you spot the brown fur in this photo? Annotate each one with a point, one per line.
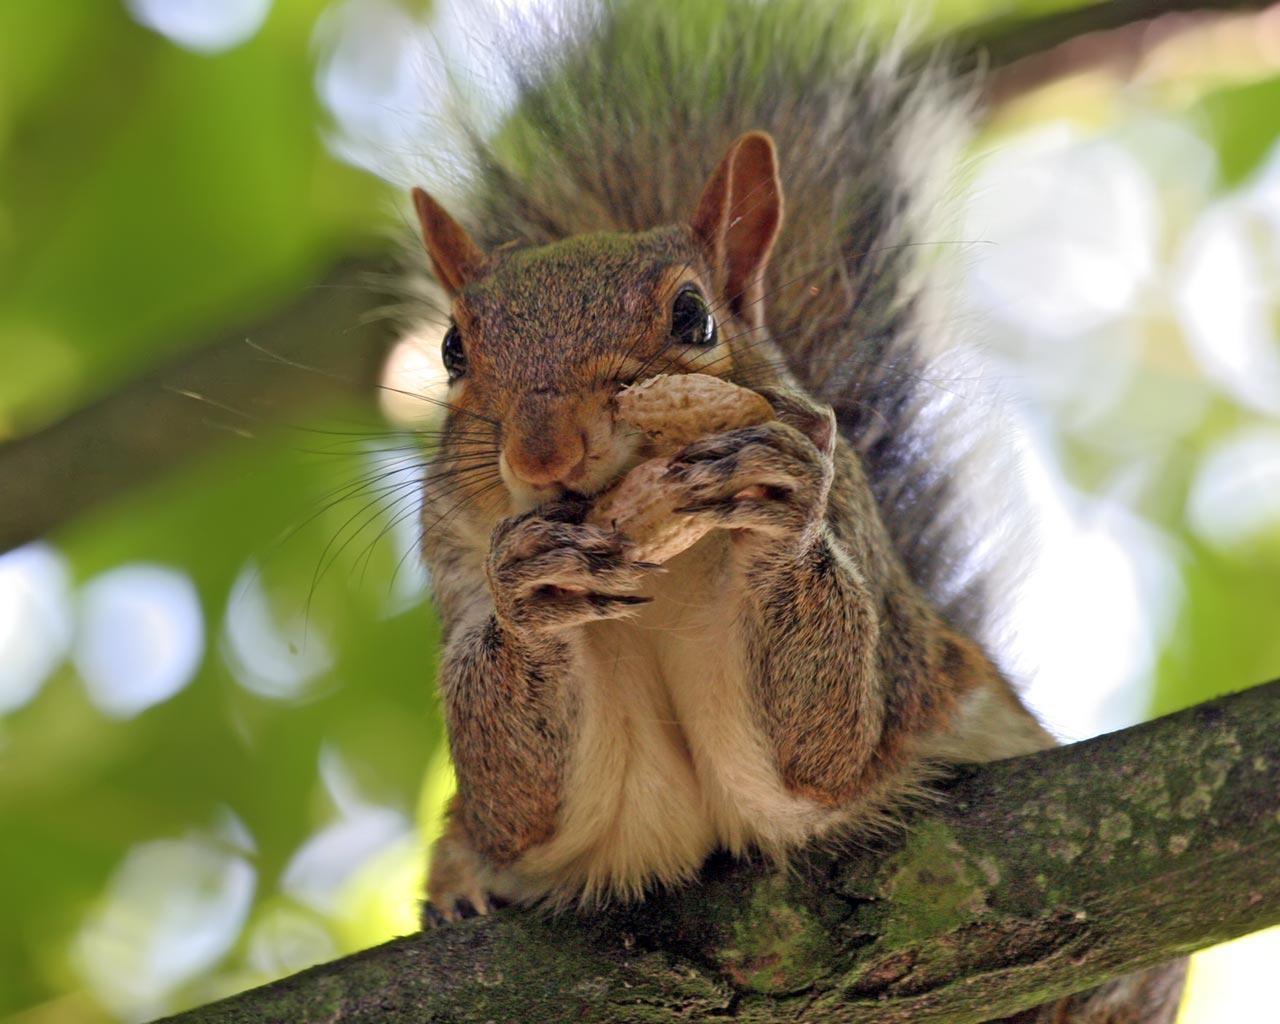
(843, 663)
(794, 675)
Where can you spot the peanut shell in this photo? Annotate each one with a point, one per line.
(673, 411)
(676, 410)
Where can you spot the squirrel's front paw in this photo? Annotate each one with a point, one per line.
(549, 574)
(772, 479)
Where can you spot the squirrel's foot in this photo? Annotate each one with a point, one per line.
(460, 908)
(459, 882)
(771, 479)
(549, 574)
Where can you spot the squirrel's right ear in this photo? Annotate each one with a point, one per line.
(454, 256)
(738, 219)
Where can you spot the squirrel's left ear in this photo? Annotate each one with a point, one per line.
(738, 219)
(455, 257)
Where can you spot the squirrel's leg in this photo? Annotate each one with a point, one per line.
(507, 684)
(808, 623)
(460, 883)
(850, 681)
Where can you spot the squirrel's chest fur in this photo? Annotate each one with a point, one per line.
(669, 763)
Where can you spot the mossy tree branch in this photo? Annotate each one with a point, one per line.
(1026, 880)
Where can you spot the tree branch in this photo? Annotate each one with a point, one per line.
(1001, 41)
(1020, 53)
(152, 424)
(1025, 881)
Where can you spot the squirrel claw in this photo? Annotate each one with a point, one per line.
(463, 908)
(771, 479)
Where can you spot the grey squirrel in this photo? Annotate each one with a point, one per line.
(743, 190)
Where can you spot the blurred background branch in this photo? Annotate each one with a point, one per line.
(327, 344)
(998, 42)
(1021, 54)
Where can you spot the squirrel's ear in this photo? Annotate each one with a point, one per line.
(738, 219)
(455, 257)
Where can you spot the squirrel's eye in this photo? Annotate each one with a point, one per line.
(453, 354)
(691, 319)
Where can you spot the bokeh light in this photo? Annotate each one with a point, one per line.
(328, 860)
(1075, 223)
(1229, 287)
(206, 26)
(140, 637)
(1235, 497)
(173, 909)
(35, 621)
(274, 659)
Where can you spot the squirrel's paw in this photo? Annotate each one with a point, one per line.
(457, 886)
(459, 908)
(548, 574)
(772, 479)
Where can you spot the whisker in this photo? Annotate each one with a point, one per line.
(329, 555)
(495, 483)
(438, 402)
(396, 515)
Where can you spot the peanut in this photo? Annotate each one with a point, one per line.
(673, 411)
(677, 410)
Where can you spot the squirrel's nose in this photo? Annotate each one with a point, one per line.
(542, 459)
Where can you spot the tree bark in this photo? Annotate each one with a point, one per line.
(1024, 881)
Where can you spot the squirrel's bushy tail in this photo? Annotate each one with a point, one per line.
(622, 113)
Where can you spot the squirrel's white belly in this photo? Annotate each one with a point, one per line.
(669, 764)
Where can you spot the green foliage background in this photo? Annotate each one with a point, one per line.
(151, 197)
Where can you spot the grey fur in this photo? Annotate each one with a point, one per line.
(868, 137)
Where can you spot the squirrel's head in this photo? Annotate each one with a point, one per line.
(542, 338)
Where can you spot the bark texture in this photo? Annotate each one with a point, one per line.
(1023, 881)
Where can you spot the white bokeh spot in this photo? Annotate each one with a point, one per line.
(205, 26)
(1227, 289)
(414, 383)
(35, 621)
(329, 860)
(1075, 225)
(140, 637)
(1235, 496)
(400, 88)
(1097, 602)
(279, 660)
(173, 909)
(285, 940)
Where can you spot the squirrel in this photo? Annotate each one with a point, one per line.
(744, 190)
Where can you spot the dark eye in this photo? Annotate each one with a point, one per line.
(691, 319)
(453, 354)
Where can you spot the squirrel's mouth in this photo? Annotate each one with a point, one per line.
(602, 468)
